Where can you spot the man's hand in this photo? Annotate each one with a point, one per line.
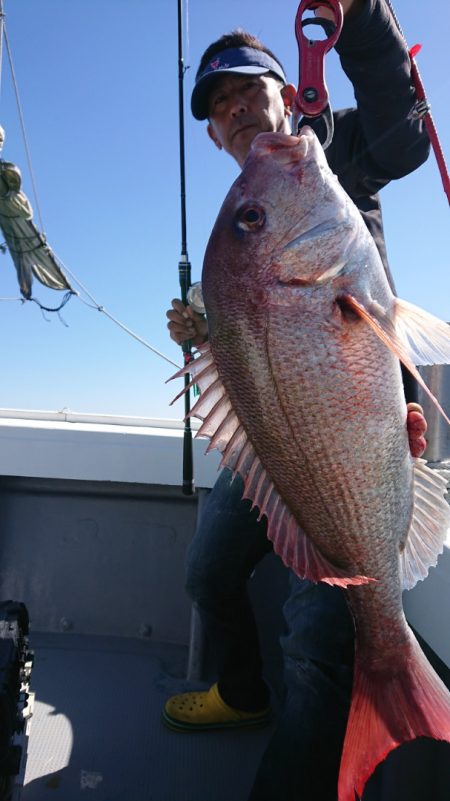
(186, 324)
(349, 7)
(417, 426)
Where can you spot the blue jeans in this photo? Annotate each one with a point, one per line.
(302, 758)
(301, 761)
(228, 543)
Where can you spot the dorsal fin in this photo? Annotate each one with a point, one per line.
(222, 426)
(430, 525)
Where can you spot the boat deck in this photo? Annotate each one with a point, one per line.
(94, 538)
(97, 730)
(97, 733)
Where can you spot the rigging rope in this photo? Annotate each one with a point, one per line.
(2, 25)
(100, 308)
(95, 305)
(24, 133)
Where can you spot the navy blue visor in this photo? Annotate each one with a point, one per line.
(239, 60)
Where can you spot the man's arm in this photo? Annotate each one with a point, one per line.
(375, 58)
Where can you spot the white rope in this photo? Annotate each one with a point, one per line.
(95, 305)
(2, 24)
(98, 307)
(22, 125)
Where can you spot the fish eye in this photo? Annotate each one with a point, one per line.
(250, 217)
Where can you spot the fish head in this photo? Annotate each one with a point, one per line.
(285, 221)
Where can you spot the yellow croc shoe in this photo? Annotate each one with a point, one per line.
(205, 710)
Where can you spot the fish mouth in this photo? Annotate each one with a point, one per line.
(286, 149)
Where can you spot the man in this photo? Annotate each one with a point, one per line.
(241, 90)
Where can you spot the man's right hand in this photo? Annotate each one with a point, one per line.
(184, 323)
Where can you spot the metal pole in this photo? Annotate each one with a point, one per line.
(184, 270)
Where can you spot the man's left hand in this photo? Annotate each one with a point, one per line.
(417, 426)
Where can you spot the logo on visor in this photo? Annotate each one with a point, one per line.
(216, 64)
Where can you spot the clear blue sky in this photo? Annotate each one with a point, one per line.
(99, 87)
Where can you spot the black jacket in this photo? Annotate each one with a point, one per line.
(380, 140)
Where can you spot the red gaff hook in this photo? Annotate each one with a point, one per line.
(312, 94)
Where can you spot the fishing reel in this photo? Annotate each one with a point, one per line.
(195, 298)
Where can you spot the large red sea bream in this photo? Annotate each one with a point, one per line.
(301, 390)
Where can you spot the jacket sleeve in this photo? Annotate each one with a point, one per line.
(390, 141)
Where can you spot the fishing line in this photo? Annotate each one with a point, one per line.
(187, 38)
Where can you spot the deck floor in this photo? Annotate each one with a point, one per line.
(97, 733)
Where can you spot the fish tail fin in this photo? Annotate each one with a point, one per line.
(388, 709)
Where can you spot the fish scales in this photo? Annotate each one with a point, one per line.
(300, 408)
(306, 337)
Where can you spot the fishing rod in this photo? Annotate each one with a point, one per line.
(184, 271)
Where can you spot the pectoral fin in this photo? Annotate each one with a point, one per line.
(412, 334)
(430, 525)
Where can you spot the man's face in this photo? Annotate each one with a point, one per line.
(242, 106)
